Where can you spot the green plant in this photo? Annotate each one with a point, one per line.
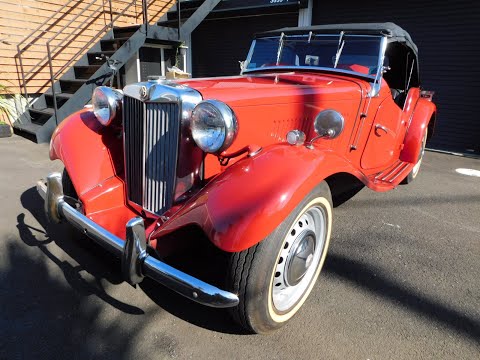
(8, 100)
(7, 108)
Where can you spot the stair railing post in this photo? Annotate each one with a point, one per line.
(145, 14)
(52, 81)
(179, 18)
(24, 83)
(111, 14)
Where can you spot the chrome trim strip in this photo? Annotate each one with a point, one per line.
(136, 263)
(307, 68)
(375, 87)
(249, 57)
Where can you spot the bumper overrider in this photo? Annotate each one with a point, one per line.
(136, 263)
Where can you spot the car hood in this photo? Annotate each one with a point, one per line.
(268, 89)
(267, 106)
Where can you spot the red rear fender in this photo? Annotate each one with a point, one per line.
(246, 202)
(412, 145)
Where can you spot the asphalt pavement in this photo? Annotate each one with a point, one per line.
(401, 281)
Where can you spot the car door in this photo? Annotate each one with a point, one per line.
(388, 131)
(382, 145)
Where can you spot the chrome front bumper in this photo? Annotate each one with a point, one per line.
(136, 263)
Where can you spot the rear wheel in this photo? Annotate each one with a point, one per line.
(274, 278)
(413, 174)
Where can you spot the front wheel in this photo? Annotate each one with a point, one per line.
(274, 278)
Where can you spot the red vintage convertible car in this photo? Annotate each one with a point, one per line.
(255, 161)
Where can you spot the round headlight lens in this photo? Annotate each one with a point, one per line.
(106, 104)
(214, 126)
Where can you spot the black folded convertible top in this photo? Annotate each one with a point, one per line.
(394, 32)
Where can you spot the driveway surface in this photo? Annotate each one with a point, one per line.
(401, 281)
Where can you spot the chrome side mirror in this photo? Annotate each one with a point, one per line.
(329, 124)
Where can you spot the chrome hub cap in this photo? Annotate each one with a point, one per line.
(299, 258)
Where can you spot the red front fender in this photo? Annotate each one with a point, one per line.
(90, 152)
(246, 202)
(412, 144)
(93, 157)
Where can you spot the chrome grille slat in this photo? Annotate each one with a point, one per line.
(151, 145)
(133, 117)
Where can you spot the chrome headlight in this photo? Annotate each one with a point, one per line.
(107, 103)
(214, 126)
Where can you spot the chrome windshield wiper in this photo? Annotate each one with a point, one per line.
(341, 43)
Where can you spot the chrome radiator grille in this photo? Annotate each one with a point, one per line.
(151, 145)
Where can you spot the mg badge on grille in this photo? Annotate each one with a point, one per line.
(143, 92)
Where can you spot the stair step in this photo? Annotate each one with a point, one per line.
(40, 116)
(71, 86)
(85, 72)
(184, 13)
(29, 128)
(188, 5)
(113, 44)
(59, 95)
(125, 31)
(92, 57)
(171, 23)
(62, 98)
(44, 111)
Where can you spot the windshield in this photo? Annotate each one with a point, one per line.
(355, 53)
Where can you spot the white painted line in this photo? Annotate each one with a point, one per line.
(468, 172)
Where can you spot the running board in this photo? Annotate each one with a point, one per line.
(391, 177)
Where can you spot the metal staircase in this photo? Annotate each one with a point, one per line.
(63, 99)
(72, 83)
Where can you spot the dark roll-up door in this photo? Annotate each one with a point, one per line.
(218, 45)
(446, 34)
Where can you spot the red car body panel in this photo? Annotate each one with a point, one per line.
(245, 201)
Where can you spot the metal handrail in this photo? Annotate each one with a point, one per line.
(53, 76)
(34, 36)
(65, 27)
(20, 51)
(59, 11)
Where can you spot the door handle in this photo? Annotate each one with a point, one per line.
(380, 127)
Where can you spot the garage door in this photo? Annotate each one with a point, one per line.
(218, 45)
(447, 36)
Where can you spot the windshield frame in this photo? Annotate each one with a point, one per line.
(308, 36)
